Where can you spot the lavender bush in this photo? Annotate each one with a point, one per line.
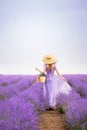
(35, 95)
(77, 113)
(22, 99)
(79, 83)
(12, 85)
(18, 114)
(74, 105)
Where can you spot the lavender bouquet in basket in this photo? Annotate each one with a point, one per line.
(41, 77)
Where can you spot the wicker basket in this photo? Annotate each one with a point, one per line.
(41, 79)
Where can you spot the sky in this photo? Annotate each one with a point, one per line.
(30, 29)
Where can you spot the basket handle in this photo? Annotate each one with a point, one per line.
(38, 70)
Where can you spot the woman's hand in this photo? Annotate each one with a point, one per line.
(63, 78)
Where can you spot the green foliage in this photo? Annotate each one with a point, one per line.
(4, 84)
(1, 98)
(61, 110)
(42, 74)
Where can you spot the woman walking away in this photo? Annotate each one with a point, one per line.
(55, 84)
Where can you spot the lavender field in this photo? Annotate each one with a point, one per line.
(22, 100)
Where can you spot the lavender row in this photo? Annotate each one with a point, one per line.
(26, 88)
(18, 114)
(20, 111)
(79, 83)
(74, 108)
(23, 90)
(74, 105)
(35, 95)
(12, 85)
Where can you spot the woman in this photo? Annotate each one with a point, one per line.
(55, 84)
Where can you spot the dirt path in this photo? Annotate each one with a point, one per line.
(52, 120)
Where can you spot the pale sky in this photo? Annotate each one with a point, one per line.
(29, 29)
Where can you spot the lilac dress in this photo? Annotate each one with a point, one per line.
(54, 86)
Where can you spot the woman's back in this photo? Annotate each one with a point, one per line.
(50, 69)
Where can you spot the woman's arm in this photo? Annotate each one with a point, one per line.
(42, 72)
(59, 74)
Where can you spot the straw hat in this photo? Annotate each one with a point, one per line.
(49, 59)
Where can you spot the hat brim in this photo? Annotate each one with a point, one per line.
(49, 59)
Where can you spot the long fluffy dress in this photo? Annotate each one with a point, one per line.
(54, 86)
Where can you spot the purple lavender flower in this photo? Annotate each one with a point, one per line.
(21, 98)
(79, 83)
(35, 95)
(19, 114)
(23, 83)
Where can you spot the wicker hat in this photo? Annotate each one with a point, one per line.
(49, 59)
